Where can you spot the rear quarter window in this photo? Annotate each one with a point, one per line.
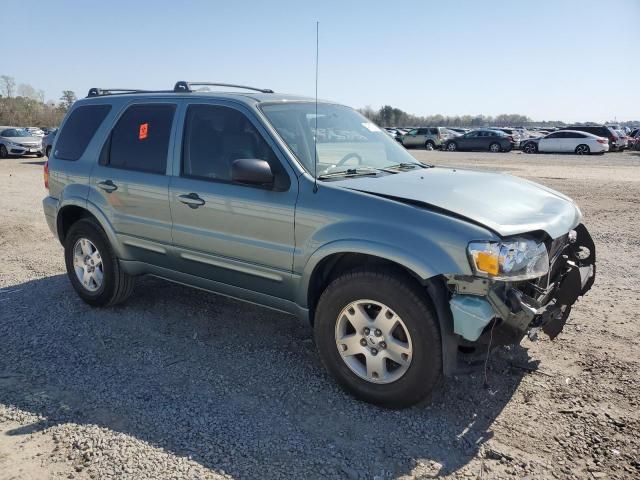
(79, 129)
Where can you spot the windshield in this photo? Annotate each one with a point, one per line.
(346, 140)
(15, 132)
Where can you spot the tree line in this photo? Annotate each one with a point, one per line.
(388, 116)
(24, 106)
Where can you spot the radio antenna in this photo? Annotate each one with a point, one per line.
(315, 134)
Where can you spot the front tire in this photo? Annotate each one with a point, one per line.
(377, 334)
(582, 149)
(92, 266)
(4, 153)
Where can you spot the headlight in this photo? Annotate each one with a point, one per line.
(519, 259)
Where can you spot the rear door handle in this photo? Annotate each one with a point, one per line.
(191, 199)
(108, 186)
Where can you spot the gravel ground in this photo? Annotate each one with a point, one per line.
(178, 383)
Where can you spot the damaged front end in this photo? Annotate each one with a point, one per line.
(501, 311)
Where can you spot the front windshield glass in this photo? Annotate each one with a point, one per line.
(346, 140)
(15, 132)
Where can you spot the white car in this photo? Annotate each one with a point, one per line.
(17, 141)
(35, 131)
(567, 141)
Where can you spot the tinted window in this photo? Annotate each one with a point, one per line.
(433, 131)
(79, 129)
(554, 135)
(574, 135)
(140, 139)
(215, 136)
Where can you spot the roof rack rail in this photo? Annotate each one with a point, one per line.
(97, 92)
(183, 86)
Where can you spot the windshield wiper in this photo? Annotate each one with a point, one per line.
(352, 172)
(409, 165)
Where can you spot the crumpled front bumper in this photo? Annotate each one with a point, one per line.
(502, 313)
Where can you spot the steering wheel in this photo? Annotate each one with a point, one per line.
(349, 156)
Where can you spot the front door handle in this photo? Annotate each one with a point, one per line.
(108, 186)
(191, 199)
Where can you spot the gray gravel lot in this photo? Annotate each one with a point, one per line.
(179, 383)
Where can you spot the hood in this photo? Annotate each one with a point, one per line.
(24, 140)
(503, 203)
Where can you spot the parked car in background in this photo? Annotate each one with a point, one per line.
(481, 139)
(567, 141)
(600, 131)
(35, 131)
(427, 137)
(623, 138)
(47, 130)
(459, 130)
(513, 133)
(395, 133)
(18, 141)
(47, 142)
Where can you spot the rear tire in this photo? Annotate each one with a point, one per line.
(399, 384)
(451, 147)
(582, 149)
(48, 152)
(495, 147)
(115, 285)
(530, 148)
(429, 145)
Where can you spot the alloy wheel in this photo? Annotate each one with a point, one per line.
(373, 341)
(87, 263)
(582, 149)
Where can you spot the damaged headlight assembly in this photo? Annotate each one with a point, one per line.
(512, 260)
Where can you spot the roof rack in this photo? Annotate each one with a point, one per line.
(183, 86)
(179, 87)
(96, 92)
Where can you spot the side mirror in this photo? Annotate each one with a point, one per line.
(251, 171)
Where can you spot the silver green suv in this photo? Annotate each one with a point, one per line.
(308, 208)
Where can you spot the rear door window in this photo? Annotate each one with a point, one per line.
(140, 139)
(79, 129)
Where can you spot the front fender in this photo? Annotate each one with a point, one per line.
(441, 261)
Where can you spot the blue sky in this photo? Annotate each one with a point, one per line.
(569, 60)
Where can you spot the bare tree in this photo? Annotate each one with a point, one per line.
(8, 85)
(27, 91)
(67, 99)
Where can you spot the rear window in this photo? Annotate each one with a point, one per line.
(79, 129)
(140, 139)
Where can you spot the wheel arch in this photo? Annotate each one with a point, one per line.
(341, 256)
(434, 290)
(75, 209)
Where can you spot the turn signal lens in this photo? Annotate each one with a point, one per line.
(487, 262)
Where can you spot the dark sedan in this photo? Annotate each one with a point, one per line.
(483, 139)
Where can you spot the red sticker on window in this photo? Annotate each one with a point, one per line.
(143, 132)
